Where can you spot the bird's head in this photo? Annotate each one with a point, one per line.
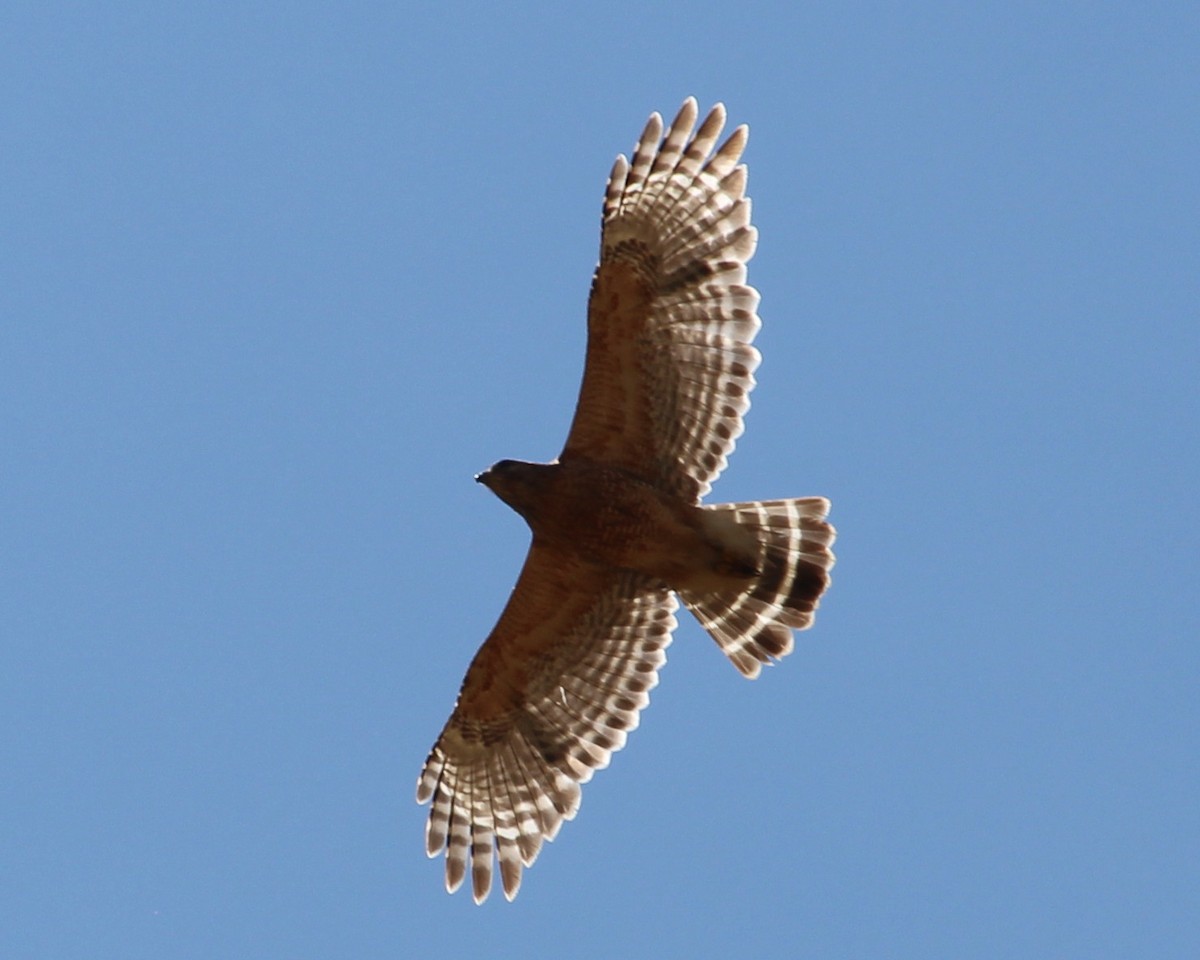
(517, 483)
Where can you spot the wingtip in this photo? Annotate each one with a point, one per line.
(481, 886)
(686, 117)
(510, 877)
(652, 131)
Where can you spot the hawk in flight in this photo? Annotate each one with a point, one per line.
(619, 530)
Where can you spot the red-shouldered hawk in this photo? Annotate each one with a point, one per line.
(618, 527)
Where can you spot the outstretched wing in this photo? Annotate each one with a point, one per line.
(670, 320)
(550, 695)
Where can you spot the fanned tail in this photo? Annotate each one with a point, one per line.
(753, 618)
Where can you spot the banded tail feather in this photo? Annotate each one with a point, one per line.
(752, 620)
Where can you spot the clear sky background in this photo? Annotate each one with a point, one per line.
(276, 279)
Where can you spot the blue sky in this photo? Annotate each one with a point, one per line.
(278, 279)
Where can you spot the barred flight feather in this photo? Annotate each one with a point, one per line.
(678, 218)
(500, 802)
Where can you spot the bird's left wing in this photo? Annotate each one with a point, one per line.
(550, 695)
(670, 365)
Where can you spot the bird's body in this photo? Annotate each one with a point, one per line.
(612, 517)
(619, 527)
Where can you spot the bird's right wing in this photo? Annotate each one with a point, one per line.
(549, 697)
